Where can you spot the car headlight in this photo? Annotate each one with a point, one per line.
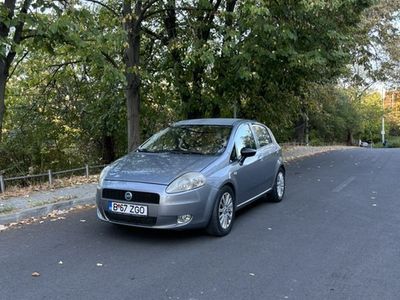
(186, 182)
(103, 175)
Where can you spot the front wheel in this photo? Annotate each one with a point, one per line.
(223, 213)
(278, 191)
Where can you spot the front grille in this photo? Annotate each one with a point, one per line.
(149, 221)
(138, 197)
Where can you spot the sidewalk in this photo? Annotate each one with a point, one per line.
(41, 203)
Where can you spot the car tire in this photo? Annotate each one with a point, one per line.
(223, 213)
(278, 190)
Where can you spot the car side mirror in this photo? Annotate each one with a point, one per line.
(245, 153)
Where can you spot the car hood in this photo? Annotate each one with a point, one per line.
(158, 168)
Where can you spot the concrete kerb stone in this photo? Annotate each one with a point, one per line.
(42, 211)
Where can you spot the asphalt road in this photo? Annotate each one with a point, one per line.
(336, 235)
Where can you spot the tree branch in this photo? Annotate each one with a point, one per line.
(109, 59)
(4, 28)
(115, 13)
(147, 5)
(65, 64)
(17, 34)
(17, 63)
(29, 36)
(159, 11)
(151, 33)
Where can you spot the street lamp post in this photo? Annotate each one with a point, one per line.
(383, 116)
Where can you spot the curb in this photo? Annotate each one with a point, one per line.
(44, 210)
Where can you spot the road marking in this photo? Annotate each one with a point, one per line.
(343, 184)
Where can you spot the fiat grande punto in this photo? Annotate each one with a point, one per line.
(195, 173)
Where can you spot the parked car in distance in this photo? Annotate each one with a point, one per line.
(195, 173)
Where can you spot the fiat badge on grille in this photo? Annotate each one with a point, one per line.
(128, 196)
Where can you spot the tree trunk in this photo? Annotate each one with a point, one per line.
(224, 62)
(306, 130)
(181, 83)
(195, 106)
(6, 61)
(108, 149)
(9, 6)
(3, 79)
(350, 139)
(132, 60)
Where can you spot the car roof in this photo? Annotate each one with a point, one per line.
(211, 121)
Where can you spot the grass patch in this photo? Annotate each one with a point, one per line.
(6, 209)
(19, 191)
(58, 199)
(391, 142)
(41, 203)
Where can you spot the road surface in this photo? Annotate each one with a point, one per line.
(336, 235)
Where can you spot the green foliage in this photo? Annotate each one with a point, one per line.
(274, 61)
(371, 112)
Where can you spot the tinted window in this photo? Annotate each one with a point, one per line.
(262, 135)
(244, 139)
(198, 139)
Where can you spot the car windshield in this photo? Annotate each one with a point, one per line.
(189, 139)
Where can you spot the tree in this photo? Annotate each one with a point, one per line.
(21, 22)
(11, 17)
(377, 44)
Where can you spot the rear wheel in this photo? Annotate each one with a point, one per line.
(278, 191)
(223, 213)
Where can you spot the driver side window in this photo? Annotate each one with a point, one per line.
(243, 138)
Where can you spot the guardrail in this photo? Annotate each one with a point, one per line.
(49, 175)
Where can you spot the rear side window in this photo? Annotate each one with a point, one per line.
(244, 139)
(262, 135)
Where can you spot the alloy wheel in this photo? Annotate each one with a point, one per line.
(280, 184)
(225, 210)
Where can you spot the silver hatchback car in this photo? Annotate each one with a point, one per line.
(195, 173)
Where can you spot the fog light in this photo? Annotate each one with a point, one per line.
(184, 219)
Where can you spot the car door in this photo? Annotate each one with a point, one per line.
(248, 183)
(266, 155)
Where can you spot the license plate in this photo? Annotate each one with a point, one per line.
(128, 209)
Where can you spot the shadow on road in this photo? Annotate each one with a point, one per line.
(161, 236)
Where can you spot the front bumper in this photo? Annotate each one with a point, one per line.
(198, 203)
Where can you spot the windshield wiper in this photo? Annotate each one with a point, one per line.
(180, 151)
